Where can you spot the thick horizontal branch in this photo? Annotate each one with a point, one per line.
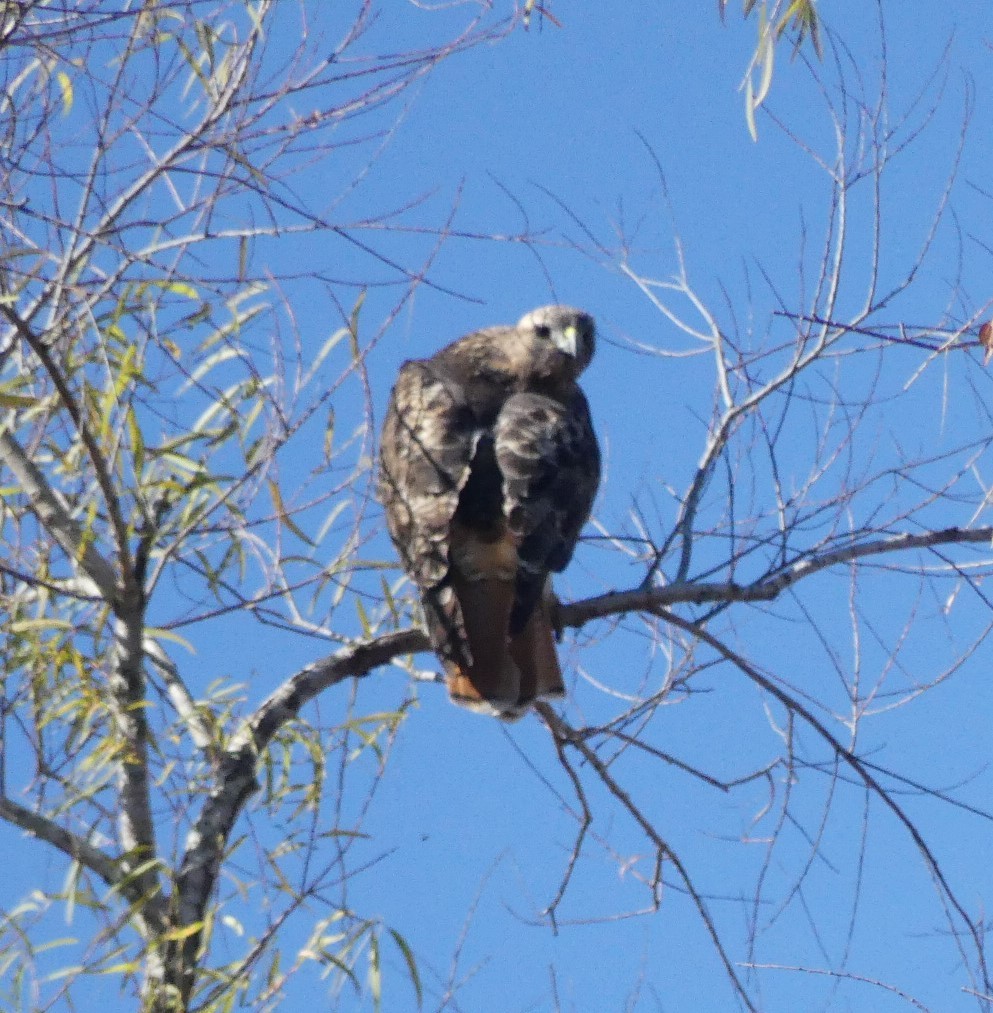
(237, 778)
(655, 599)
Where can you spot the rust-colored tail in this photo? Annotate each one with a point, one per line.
(491, 684)
(533, 649)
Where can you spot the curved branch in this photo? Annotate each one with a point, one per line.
(236, 783)
(236, 780)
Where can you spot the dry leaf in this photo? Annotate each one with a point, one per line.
(986, 340)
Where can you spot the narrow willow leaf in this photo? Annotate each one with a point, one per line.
(182, 288)
(408, 956)
(24, 625)
(131, 967)
(325, 350)
(375, 973)
(64, 972)
(766, 55)
(363, 618)
(17, 401)
(284, 516)
(137, 442)
(233, 326)
(750, 109)
(183, 932)
(353, 323)
(221, 355)
(65, 84)
(159, 634)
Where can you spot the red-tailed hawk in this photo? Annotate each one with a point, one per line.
(488, 469)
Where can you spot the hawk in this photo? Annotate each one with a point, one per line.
(488, 469)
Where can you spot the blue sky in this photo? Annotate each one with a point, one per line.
(560, 134)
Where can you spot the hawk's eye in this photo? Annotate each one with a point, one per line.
(543, 330)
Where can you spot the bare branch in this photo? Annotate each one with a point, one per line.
(113, 872)
(766, 588)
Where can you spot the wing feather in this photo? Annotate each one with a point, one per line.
(429, 437)
(550, 460)
(428, 441)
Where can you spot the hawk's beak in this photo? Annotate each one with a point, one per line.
(567, 339)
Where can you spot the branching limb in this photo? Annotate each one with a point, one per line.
(179, 695)
(664, 852)
(111, 871)
(864, 773)
(71, 844)
(101, 467)
(53, 513)
(236, 780)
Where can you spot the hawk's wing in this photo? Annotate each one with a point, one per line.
(550, 461)
(429, 437)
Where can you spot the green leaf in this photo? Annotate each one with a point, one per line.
(375, 973)
(130, 967)
(408, 956)
(65, 83)
(137, 442)
(17, 401)
(159, 634)
(183, 932)
(353, 324)
(284, 516)
(363, 618)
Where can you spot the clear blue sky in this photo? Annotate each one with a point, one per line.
(472, 824)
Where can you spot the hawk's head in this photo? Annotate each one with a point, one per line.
(570, 330)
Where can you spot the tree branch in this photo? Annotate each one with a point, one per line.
(128, 707)
(860, 769)
(236, 781)
(53, 513)
(766, 588)
(562, 732)
(110, 870)
(101, 468)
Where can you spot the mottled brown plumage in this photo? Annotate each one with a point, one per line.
(488, 469)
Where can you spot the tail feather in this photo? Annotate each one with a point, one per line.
(533, 649)
(490, 683)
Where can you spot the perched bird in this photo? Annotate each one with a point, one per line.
(488, 469)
